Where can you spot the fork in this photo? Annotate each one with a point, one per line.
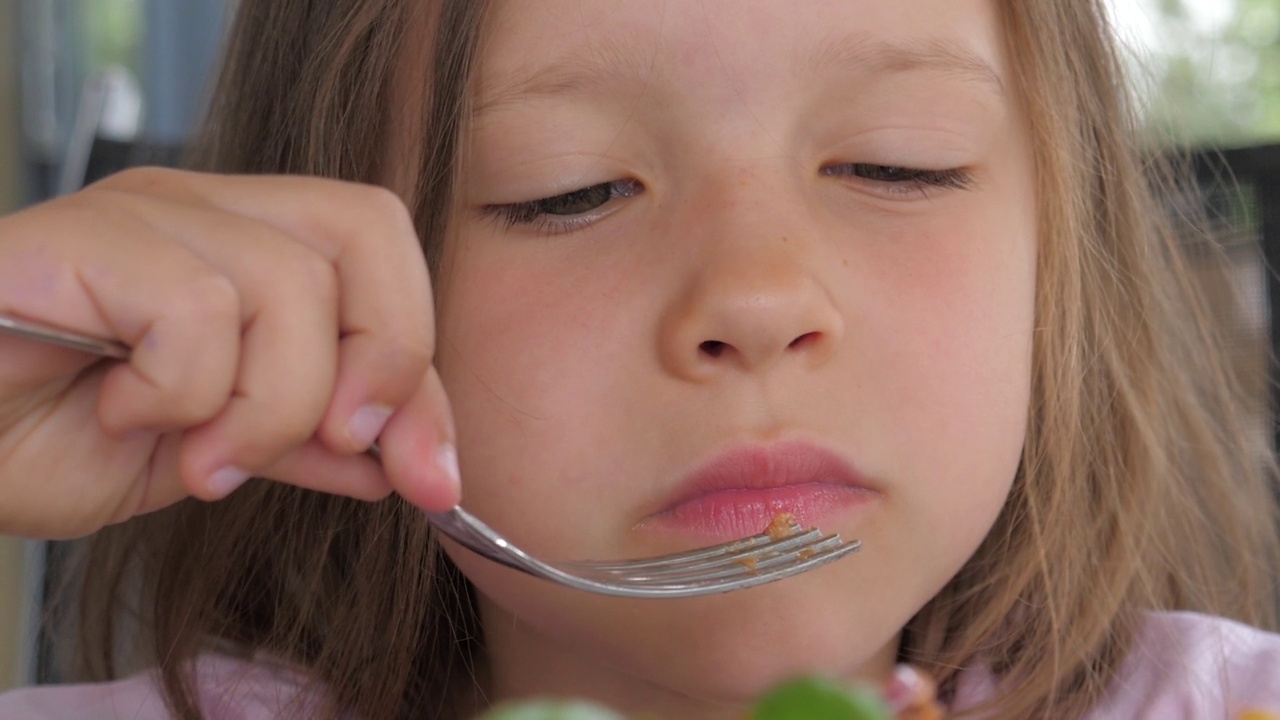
(735, 565)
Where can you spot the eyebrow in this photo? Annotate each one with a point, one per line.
(864, 54)
(611, 64)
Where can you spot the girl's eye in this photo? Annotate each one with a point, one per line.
(902, 181)
(565, 212)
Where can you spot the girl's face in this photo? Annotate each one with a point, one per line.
(791, 243)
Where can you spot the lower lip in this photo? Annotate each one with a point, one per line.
(730, 514)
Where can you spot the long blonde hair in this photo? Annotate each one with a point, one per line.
(1140, 488)
(1143, 485)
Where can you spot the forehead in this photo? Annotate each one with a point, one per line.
(542, 48)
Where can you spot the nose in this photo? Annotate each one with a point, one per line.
(753, 300)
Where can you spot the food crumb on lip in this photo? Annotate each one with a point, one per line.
(781, 526)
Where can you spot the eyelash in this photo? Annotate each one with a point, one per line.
(540, 213)
(903, 181)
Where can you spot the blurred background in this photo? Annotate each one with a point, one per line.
(86, 87)
(1208, 70)
(90, 86)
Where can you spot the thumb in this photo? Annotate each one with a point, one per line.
(419, 451)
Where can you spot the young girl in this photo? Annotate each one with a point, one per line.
(891, 267)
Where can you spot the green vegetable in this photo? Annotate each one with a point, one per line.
(816, 699)
(551, 710)
(803, 699)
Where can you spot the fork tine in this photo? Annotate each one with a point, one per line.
(742, 545)
(705, 556)
(610, 579)
(728, 565)
(734, 577)
(731, 564)
(732, 550)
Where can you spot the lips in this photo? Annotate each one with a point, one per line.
(739, 491)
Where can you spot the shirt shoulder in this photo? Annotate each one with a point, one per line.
(227, 689)
(1197, 667)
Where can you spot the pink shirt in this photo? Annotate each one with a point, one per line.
(1185, 667)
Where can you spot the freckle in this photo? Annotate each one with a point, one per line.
(844, 261)
(784, 239)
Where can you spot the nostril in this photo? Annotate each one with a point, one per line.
(714, 348)
(804, 339)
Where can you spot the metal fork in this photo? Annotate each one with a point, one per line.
(735, 565)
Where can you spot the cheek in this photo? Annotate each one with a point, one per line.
(955, 313)
(958, 333)
(531, 359)
(949, 376)
(527, 321)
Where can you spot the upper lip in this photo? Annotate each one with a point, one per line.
(762, 467)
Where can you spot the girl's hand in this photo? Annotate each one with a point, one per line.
(278, 325)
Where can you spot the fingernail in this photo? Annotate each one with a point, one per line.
(367, 424)
(447, 459)
(226, 481)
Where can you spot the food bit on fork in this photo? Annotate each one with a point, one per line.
(781, 527)
(751, 564)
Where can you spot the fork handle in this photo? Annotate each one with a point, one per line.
(50, 335)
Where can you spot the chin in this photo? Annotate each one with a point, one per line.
(739, 664)
(720, 650)
(744, 653)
